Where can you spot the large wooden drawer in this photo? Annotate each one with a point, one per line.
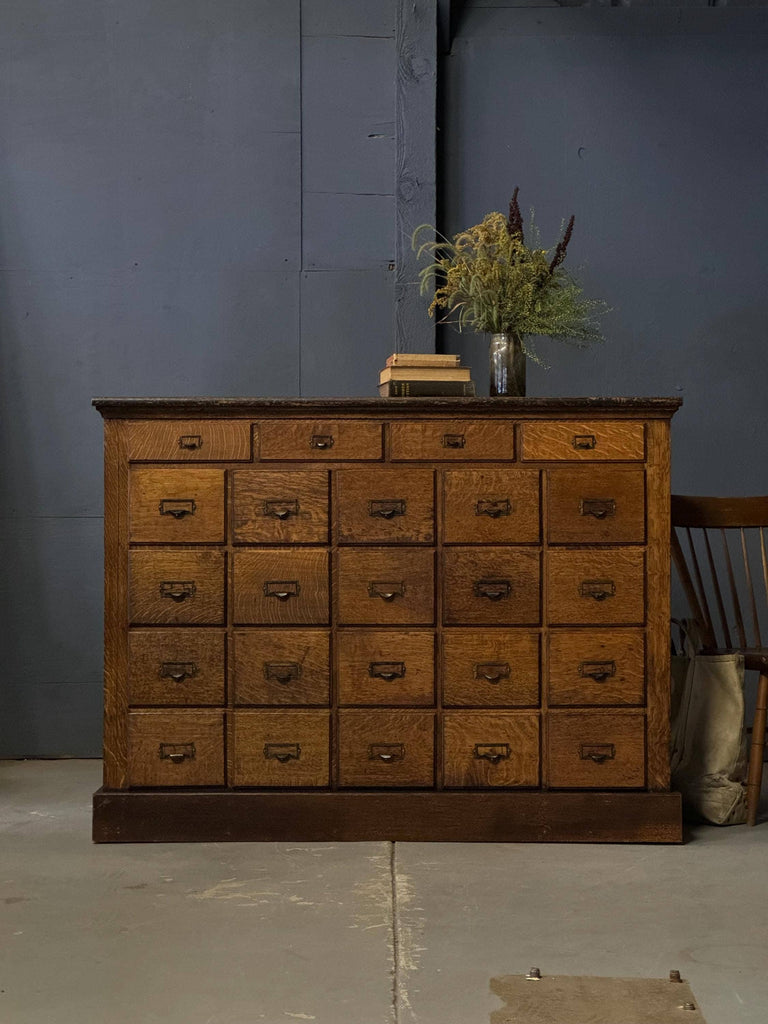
(596, 750)
(176, 748)
(281, 586)
(490, 749)
(393, 667)
(279, 748)
(490, 668)
(452, 440)
(189, 440)
(596, 666)
(491, 506)
(276, 507)
(326, 440)
(176, 586)
(600, 586)
(176, 666)
(596, 505)
(281, 666)
(386, 748)
(584, 441)
(385, 506)
(385, 586)
(176, 505)
(491, 586)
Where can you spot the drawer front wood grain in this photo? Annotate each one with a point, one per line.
(320, 440)
(385, 586)
(491, 506)
(596, 666)
(176, 505)
(393, 667)
(176, 666)
(280, 507)
(491, 586)
(176, 748)
(584, 441)
(596, 505)
(281, 586)
(598, 586)
(386, 748)
(189, 440)
(490, 668)
(281, 666)
(173, 585)
(489, 749)
(452, 440)
(594, 750)
(386, 506)
(280, 748)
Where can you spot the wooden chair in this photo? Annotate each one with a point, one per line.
(726, 544)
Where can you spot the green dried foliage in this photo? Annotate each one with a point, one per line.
(488, 280)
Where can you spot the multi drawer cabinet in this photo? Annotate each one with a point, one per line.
(387, 619)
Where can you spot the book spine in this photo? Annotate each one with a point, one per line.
(426, 388)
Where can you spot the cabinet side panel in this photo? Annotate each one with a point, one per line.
(115, 601)
(658, 663)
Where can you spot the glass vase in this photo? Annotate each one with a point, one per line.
(507, 365)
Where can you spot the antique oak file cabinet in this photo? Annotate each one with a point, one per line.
(406, 619)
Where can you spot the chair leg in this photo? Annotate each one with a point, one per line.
(755, 775)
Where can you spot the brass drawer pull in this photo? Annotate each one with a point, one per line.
(282, 671)
(492, 671)
(282, 752)
(494, 590)
(176, 752)
(386, 509)
(493, 752)
(598, 590)
(597, 670)
(386, 591)
(598, 752)
(600, 508)
(493, 507)
(177, 507)
(386, 670)
(321, 441)
(191, 442)
(386, 752)
(454, 441)
(178, 670)
(281, 589)
(584, 442)
(281, 509)
(178, 590)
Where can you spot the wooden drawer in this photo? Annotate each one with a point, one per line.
(491, 586)
(596, 505)
(176, 748)
(491, 506)
(395, 667)
(281, 586)
(176, 666)
(452, 440)
(279, 748)
(386, 506)
(490, 668)
(596, 666)
(386, 586)
(176, 505)
(601, 586)
(189, 440)
(584, 441)
(489, 749)
(172, 585)
(281, 666)
(596, 750)
(274, 507)
(315, 440)
(386, 748)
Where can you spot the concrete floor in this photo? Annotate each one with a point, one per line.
(362, 933)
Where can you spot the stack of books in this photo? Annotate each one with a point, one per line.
(412, 374)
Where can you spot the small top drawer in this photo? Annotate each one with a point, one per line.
(454, 440)
(189, 441)
(312, 440)
(584, 441)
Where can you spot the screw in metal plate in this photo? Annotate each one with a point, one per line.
(534, 974)
(688, 1006)
(675, 976)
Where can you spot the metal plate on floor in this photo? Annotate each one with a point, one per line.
(582, 1000)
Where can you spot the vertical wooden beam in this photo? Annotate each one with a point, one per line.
(415, 187)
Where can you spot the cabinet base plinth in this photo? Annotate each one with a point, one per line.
(208, 815)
